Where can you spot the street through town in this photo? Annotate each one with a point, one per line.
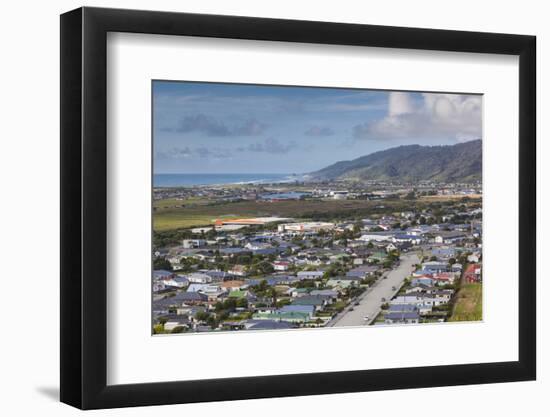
(371, 301)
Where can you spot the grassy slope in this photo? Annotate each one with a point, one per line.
(440, 163)
(468, 306)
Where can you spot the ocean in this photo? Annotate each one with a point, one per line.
(187, 180)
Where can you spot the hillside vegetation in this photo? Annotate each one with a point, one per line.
(454, 163)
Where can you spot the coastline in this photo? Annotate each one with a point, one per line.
(202, 181)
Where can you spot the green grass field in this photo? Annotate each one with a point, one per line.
(173, 214)
(468, 306)
(172, 203)
(169, 214)
(169, 221)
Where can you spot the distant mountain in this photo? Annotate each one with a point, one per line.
(453, 163)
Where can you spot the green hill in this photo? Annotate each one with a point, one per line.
(454, 163)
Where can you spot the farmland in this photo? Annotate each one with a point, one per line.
(171, 215)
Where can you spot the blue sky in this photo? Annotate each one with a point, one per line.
(238, 128)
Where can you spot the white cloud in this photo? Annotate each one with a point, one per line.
(201, 152)
(270, 145)
(399, 103)
(434, 116)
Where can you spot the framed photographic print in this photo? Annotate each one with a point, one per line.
(338, 207)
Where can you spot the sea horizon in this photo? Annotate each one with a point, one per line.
(188, 179)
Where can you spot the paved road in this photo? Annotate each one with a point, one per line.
(370, 301)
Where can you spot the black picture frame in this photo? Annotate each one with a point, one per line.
(84, 207)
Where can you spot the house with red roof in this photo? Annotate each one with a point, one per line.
(472, 273)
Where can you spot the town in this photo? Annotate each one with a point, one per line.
(315, 254)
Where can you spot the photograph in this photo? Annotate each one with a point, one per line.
(292, 207)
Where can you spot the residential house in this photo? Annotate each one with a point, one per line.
(177, 281)
(376, 237)
(402, 308)
(281, 265)
(310, 275)
(420, 288)
(426, 280)
(298, 292)
(193, 243)
(307, 309)
(162, 274)
(414, 239)
(403, 246)
(419, 299)
(197, 287)
(402, 318)
(290, 316)
(411, 298)
(474, 257)
(188, 298)
(317, 301)
(199, 278)
(238, 270)
(282, 280)
(266, 324)
(214, 293)
(444, 278)
(444, 252)
(435, 267)
(424, 309)
(362, 271)
(173, 321)
(449, 237)
(377, 257)
(472, 273)
(332, 294)
(216, 275)
(341, 283)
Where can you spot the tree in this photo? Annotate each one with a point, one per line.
(212, 322)
(202, 316)
(178, 329)
(161, 263)
(242, 303)
(261, 268)
(388, 264)
(394, 255)
(357, 228)
(158, 329)
(273, 293)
